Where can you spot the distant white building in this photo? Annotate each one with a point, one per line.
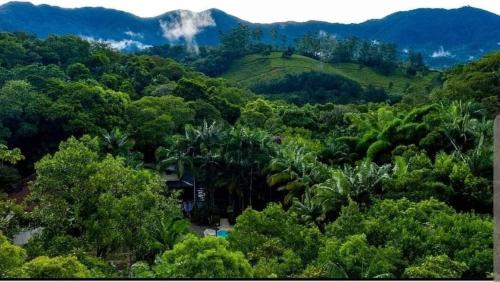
(23, 237)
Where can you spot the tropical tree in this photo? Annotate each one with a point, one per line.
(294, 169)
(102, 202)
(248, 152)
(355, 258)
(207, 257)
(307, 210)
(436, 267)
(205, 147)
(117, 142)
(11, 257)
(421, 229)
(50, 268)
(360, 183)
(380, 130)
(275, 234)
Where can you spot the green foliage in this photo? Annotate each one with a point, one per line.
(108, 204)
(11, 257)
(436, 267)
(477, 80)
(10, 156)
(78, 71)
(207, 257)
(12, 216)
(359, 183)
(190, 90)
(393, 189)
(355, 258)
(9, 176)
(256, 113)
(57, 267)
(153, 119)
(256, 69)
(276, 237)
(295, 169)
(418, 230)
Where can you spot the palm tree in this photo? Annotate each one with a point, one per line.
(380, 130)
(294, 169)
(307, 210)
(167, 232)
(117, 142)
(204, 146)
(167, 157)
(459, 124)
(357, 183)
(247, 151)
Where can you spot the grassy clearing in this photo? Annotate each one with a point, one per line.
(257, 68)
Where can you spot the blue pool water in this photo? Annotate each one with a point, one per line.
(222, 233)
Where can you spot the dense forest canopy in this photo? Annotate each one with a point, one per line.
(370, 188)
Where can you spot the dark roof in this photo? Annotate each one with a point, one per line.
(186, 181)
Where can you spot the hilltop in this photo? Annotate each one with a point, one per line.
(256, 69)
(445, 37)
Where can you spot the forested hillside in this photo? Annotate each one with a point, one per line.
(356, 189)
(444, 36)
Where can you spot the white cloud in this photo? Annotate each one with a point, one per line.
(119, 45)
(441, 53)
(134, 34)
(186, 25)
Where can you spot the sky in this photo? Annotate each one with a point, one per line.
(267, 11)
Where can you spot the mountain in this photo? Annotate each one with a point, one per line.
(444, 36)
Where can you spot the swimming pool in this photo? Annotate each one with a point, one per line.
(222, 233)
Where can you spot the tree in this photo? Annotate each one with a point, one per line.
(206, 145)
(274, 236)
(153, 119)
(294, 169)
(12, 51)
(355, 258)
(207, 257)
(104, 203)
(359, 183)
(23, 118)
(415, 62)
(255, 114)
(12, 216)
(379, 130)
(11, 257)
(421, 229)
(117, 142)
(78, 71)
(237, 41)
(8, 175)
(52, 268)
(85, 108)
(248, 152)
(436, 267)
(476, 80)
(190, 90)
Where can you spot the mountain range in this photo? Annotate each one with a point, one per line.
(445, 37)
